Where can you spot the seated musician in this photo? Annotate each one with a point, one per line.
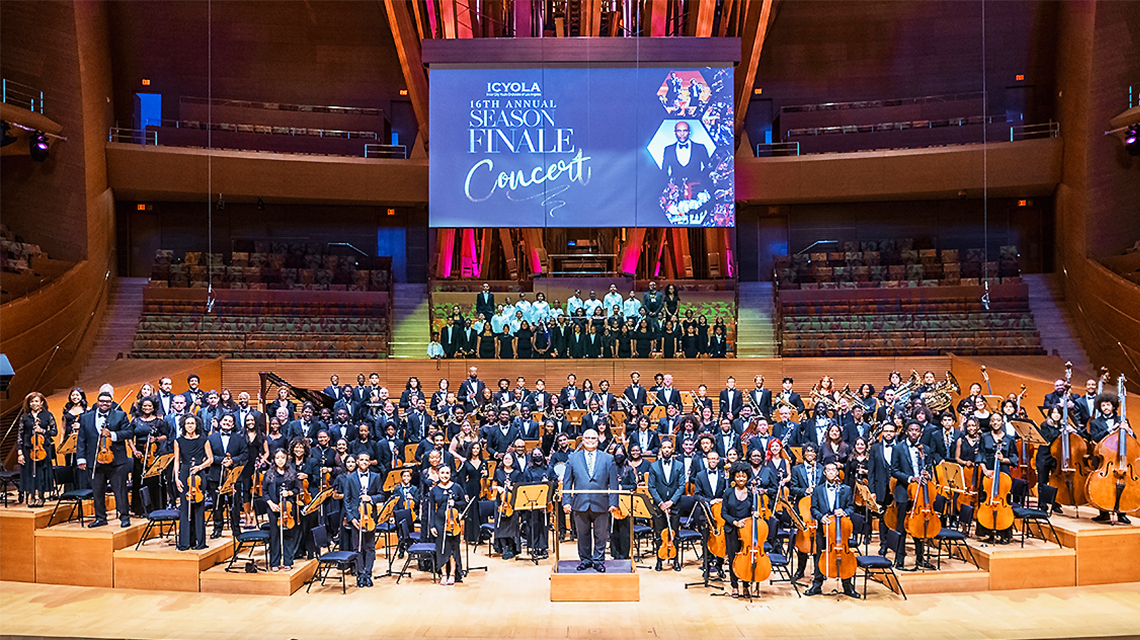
(646, 440)
(832, 500)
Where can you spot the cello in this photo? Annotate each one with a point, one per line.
(838, 559)
(667, 550)
(1115, 485)
(718, 544)
(922, 522)
(996, 512)
(1070, 475)
(751, 563)
(805, 537)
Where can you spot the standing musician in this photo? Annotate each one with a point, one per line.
(791, 397)
(407, 497)
(362, 488)
(145, 425)
(627, 481)
(996, 443)
(786, 430)
(96, 427)
(506, 527)
(230, 451)
(192, 456)
(69, 420)
(942, 443)
(36, 475)
(534, 522)
(805, 478)
(761, 397)
(471, 389)
(833, 500)
(591, 470)
(711, 484)
(736, 511)
(879, 476)
(281, 484)
(635, 393)
(257, 460)
(1050, 430)
(907, 466)
(1105, 422)
(727, 437)
(444, 496)
(666, 485)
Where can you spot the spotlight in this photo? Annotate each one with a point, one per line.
(38, 146)
(1130, 143)
(8, 137)
(260, 204)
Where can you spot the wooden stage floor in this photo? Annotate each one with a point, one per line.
(512, 600)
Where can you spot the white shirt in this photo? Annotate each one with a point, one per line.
(573, 303)
(631, 307)
(539, 311)
(611, 300)
(684, 153)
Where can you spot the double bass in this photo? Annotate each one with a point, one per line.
(752, 563)
(1070, 475)
(922, 522)
(996, 512)
(1115, 485)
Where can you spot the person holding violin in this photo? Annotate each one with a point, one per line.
(506, 520)
(666, 486)
(445, 504)
(280, 488)
(832, 500)
(627, 481)
(102, 453)
(192, 456)
(407, 497)
(145, 423)
(1050, 430)
(36, 446)
(257, 449)
(534, 522)
(308, 477)
(69, 420)
(1105, 421)
(996, 445)
(909, 465)
(475, 476)
(231, 451)
(736, 510)
(363, 490)
(806, 476)
(344, 541)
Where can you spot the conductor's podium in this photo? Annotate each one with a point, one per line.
(620, 583)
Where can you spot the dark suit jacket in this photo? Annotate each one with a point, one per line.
(540, 401)
(763, 399)
(238, 451)
(799, 483)
(731, 401)
(879, 469)
(579, 398)
(733, 443)
(529, 429)
(668, 396)
(467, 389)
(353, 489)
(696, 170)
(334, 391)
(653, 441)
(820, 506)
(902, 468)
(577, 477)
(663, 488)
(637, 395)
(485, 304)
(706, 490)
(935, 444)
(497, 442)
(88, 440)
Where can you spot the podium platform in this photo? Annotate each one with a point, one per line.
(218, 580)
(71, 554)
(1106, 554)
(1036, 566)
(618, 584)
(18, 527)
(159, 565)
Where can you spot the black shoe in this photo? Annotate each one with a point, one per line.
(797, 576)
(883, 551)
(813, 591)
(1123, 519)
(359, 582)
(507, 555)
(125, 522)
(1057, 509)
(368, 582)
(600, 567)
(657, 568)
(97, 523)
(923, 564)
(585, 564)
(1103, 518)
(720, 574)
(215, 535)
(676, 565)
(852, 593)
(200, 547)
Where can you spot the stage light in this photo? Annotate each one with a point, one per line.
(1130, 142)
(8, 137)
(38, 146)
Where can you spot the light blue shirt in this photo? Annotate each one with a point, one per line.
(592, 304)
(611, 300)
(434, 350)
(539, 311)
(527, 310)
(573, 303)
(631, 307)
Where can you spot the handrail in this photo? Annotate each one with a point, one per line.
(385, 151)
(18, 94)
(1039, 130)
(894, 126)
(123, 134)
(872, 104)
(283, 106)
(777, 149)
(248, 127)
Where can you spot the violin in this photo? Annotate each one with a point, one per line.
(837, 558)
(452, 525)
(194, 491)
(668, 549)
(506, 509)
(922, 522)
(996, 512)
(306, 496)
(38, 441)
(104, 455)
(718, 544)
(1115, 485)
(258, 478)
(1070, 475)
(288, 517)
(752, 563)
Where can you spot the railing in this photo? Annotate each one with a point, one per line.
(874, 104)
(895, 126)
(268, 129)
(1034, 131)
(283, 106)
(23, 96)
(777, 149)
(133, 136)
(397, 151)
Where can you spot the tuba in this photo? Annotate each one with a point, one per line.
(904, 391)
(939, 398)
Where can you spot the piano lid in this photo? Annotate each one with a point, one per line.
(318, 398)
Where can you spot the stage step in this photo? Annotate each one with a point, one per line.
(1054, 322)
(158, 564)
(116, 332)
(218, 580)
(756, 321)
(411, 321)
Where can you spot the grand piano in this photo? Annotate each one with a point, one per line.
(318, 398)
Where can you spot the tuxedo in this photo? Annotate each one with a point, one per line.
(529, 429)
(605, 401)
(793, 398)
(824, 502)
(334, 391)
(804, 478)
(710, 486)
(936, 443)
(731, 400)
(485, 304)
(667, 425)
(694, 170)
(723, 442)
(903, 468)
(469, 392)
(242, 413)
(572, 398)
(498, 441)
(636, 395)
(669, 396)
(416, 425)
(356, 485)
(237, 447)
(113, 473)
(648, 440)
(539, 401)
(763, 399)
(591, 420)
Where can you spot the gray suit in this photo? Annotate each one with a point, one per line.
(591, 510)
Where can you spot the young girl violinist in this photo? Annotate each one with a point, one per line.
(281, 486)
(192, 457)
(446, 502)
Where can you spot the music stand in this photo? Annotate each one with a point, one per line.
(617, 416)
(575, 415)
(952, 477)
(657, 413)
(410, 452)
(472, 500)
(392, 480)
(1029, 432)
(529, 497)
(388, 514)
(705, 558)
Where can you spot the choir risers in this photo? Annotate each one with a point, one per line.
(218, 580)
(159, 565)
(617, 584)
(71, 554)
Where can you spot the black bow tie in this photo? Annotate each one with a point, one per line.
(682, 145)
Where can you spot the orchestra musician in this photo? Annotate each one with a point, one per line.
(367, 488)
(192, 456)
(832, 500)
(443, 497)
(36, 476)
(907, 467)
(106, 423)
(666, 485)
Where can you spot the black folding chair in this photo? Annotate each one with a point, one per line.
(878, 565)
(954, 537)
(251, 540)
(156, 518)
(420, 551)
(76, 496)
(1040, 516)
(326, 562)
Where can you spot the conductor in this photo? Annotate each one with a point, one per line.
(591, 470)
